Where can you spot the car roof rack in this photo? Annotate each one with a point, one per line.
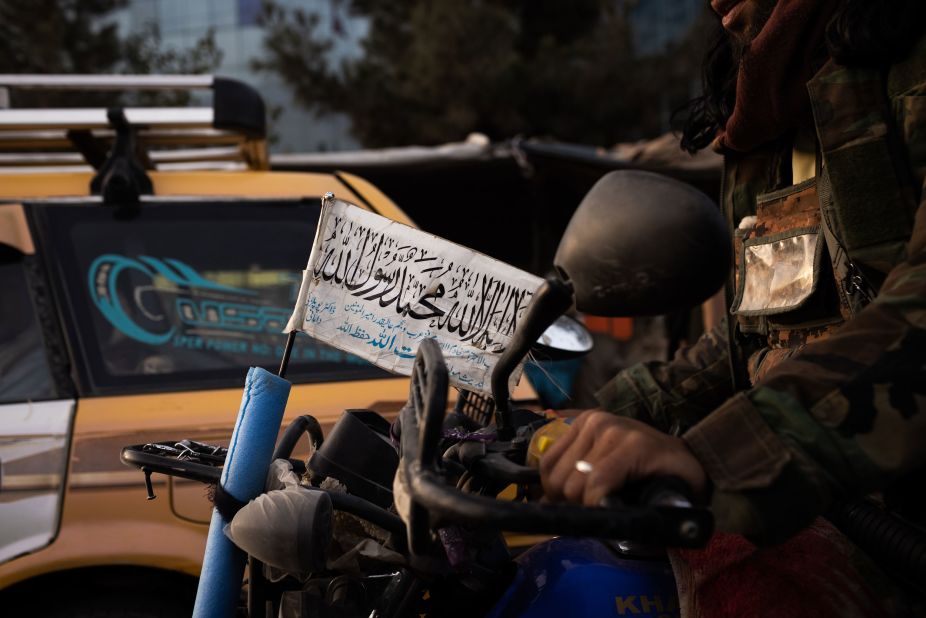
(230, 133)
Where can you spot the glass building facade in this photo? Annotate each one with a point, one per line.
(183, 22)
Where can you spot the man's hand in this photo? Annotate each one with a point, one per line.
(615, 451)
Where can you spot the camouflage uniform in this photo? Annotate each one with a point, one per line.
(834, 407)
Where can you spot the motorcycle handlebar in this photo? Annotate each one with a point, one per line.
(666, 519)
(658, 525)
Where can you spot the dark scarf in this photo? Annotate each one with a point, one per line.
(771, 93)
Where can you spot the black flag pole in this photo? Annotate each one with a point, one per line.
(290, 340)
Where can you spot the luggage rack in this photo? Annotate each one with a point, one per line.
(230, 133)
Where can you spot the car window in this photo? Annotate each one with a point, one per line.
(24, 371)
(186, 294)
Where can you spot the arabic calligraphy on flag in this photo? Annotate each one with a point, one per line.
(376, 288)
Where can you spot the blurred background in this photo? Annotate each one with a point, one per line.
(485, 121)
(349, 74)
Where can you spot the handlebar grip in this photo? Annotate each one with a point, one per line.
(674, 500)
(658, 491)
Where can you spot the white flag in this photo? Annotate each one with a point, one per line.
(376, 288)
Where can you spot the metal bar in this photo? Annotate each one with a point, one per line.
(45, 169)
(96, 118)
(186, 155)
(192, 166)
(40, 158)
(284, 364)
(191, 155)
(257, 589)
(174, 137)
(27, 140)
(204, 166)
(107, 82)
(57, 139)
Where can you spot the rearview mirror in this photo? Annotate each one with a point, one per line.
(638, 244)
(643, 244)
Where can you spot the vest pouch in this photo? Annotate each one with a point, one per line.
(782, 277)
(872, 225)
(780, 272)
(872, 197)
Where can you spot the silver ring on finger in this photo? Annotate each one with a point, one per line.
(584, 467)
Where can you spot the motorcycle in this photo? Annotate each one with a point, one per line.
(408, 518)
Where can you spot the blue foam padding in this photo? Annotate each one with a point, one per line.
(243, 476)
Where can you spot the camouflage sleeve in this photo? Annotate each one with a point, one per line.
(844, 417)
(677, 393)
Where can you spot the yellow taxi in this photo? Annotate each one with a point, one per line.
(147, 259)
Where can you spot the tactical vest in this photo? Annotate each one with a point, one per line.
(809, 256)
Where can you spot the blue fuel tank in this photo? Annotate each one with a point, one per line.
(584, 578)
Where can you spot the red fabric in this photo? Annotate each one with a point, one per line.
(771, 94)
(810, 575)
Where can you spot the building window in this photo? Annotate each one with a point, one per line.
(248, 12)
